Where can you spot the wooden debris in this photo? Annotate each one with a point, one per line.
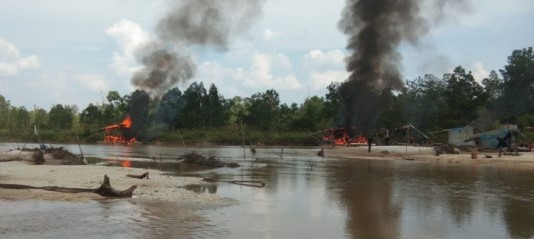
(107, 191)
(321, 153)
(144, 175)
(249, 183)
(104, 190)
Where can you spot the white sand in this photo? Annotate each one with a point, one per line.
(158, 187)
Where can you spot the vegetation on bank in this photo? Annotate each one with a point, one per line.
(430, 103)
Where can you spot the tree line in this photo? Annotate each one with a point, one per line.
(428, 102)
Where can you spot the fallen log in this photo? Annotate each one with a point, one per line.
(107, 191)
(104, 190)
(144, 175)
(249, 183)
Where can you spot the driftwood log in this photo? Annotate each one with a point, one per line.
(249, 183)
(144, 175)
(107, 191)
(104, 190)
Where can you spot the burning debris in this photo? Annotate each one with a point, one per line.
(340, 137)
(116, 133)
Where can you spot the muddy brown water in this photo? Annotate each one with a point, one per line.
(305, 197)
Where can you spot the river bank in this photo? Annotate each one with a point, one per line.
(427, 154)
(159, 187)
(163, 186)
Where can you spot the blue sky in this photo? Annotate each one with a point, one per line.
(74, 52)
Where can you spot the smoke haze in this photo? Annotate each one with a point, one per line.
(211, 23)
(375, 29)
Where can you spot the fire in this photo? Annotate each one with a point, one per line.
(340, 137)
(115, 133)
(127, 122)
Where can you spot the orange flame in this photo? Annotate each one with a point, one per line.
(127, 122)
(126, 163)
(113, 133)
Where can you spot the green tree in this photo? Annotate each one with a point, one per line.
(20, 118)
(91, 118)
(423, 102)
(214, 108)
(263, 110)
(493, 86)
(288, 117)
(4, 112)
(60, 117)
(169, 107)
(237, 110)
(464, 98)
(40, 118)
(192, 114)
(333, 101)
(518, 81)
(310, 115)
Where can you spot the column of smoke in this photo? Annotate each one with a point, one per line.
(375, 29)
(199, 24)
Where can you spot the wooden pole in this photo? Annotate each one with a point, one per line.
(243, 138)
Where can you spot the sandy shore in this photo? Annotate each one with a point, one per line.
(159, 187)
(426, 154)
(171, 188)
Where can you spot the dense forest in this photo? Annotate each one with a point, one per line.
(201, 114)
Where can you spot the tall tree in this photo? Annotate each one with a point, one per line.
(423, 101)
(237, 109)
(333, 103)
(91, 118)
(518, 77)
(4, 112)
(214, 110)
(464, 97)
(192, 114)
(169, 108)
(60, 117)
(310, 115)
(263, 110)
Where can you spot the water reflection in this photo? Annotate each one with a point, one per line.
(306, 197)
(364, 190)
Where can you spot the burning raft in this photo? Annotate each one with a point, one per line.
(116, 133)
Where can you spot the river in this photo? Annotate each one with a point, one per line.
(305, 197)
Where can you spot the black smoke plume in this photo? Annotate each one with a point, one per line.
(375, 29)
(191, 23)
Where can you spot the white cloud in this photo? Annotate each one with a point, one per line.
(265, 71)
(7, 49)
(95, 82)
(269, 34)
(269, 70)
(11, 62)
(329, 59)
(325, 67)
(479, 72)
(130, 36)
(320, 80)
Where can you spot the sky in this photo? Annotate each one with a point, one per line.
(73, 52)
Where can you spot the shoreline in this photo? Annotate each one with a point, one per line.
(162, 186)
(524, 160)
